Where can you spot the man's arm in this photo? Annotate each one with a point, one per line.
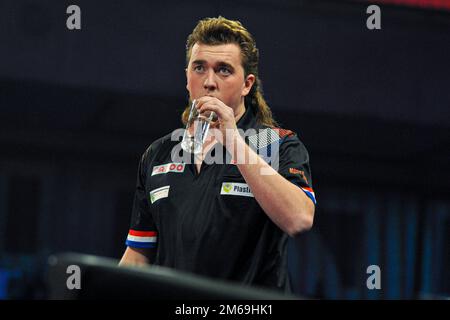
(134, 257)
(285, 203)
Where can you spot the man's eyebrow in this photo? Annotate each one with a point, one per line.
(199, 62)
(225, 64)
(219, 64)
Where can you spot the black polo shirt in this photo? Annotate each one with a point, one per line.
(209, 223)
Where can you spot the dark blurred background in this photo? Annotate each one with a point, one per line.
(78, 108)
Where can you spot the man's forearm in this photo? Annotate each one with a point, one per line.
(285, 203)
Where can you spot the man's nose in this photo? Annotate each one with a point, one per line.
(210, 81)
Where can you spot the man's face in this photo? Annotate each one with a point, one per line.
(217, 71)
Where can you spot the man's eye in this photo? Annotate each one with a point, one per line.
(199, 68)
(224, 71)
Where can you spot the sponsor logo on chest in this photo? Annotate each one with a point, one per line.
(168, 167)
(159, 193)
(236, 189)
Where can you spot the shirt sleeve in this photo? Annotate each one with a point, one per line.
(294, 162)
(142, 232)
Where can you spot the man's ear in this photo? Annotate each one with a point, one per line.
(248, 84)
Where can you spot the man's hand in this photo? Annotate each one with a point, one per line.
(226, 121)
(134, 257)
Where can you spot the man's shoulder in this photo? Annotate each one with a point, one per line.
(275, 133)
(284, 133)
(289, 138)
(167, 141)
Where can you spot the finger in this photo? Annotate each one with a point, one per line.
(215, 124)
(202, 100)
(207, 114)
(208, 107)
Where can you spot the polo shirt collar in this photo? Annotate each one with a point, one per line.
(248, 119)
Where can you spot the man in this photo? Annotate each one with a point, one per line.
(228, 221)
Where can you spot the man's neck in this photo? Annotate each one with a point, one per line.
(239, 112)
